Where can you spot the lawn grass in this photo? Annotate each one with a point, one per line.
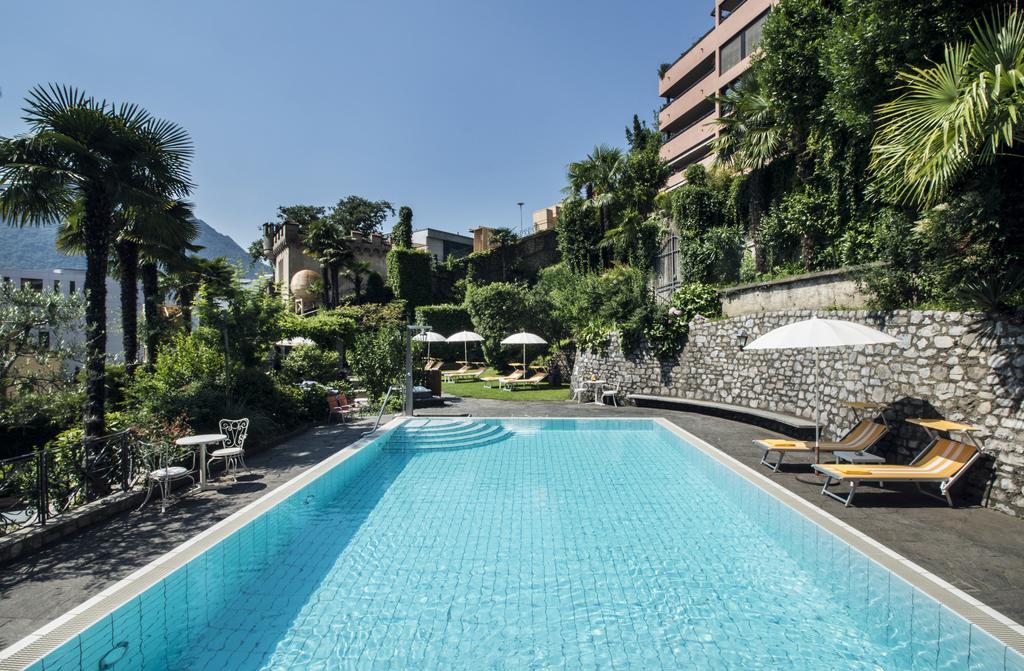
(544, 392)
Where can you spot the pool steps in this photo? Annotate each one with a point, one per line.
(435, 435)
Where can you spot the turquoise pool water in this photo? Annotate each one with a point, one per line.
(541, 545)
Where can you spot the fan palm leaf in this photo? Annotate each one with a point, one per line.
(952, 115)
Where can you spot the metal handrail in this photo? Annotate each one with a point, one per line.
(380, 413)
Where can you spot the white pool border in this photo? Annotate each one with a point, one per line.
(51, 636)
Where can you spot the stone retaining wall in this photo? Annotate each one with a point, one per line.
(824, 290)
(954, 365)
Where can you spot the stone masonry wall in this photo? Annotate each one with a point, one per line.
(954, 365)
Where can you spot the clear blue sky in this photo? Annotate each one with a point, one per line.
(459, 109)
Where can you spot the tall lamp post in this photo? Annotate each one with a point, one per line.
(520, 204)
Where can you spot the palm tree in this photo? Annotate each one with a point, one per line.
(177, 220)
(749, 139)
(595, 180)
(185, 274)
(170, 227)
(355, 271)
(956, 115)
(327, 242)
(102, 157)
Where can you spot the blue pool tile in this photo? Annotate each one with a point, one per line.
(570, 544)
(985, 652)
(954, 641)
(1014, 661)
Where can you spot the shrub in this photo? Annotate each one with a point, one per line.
(188, 379)
(501, 309)
(327, 328)
(590, 306)
(310, 362)
(376, 291)
(377, 358)
(409, 275)
(670, 327)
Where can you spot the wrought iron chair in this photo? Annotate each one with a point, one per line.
(612, 392)
(161, 466)
(233, 451)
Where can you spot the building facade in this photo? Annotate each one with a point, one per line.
(442, 244)
(297, 274)
(708, 68)
(68, 281)
(546, 219)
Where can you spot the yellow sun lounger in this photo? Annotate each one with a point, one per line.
(941, 463)
(862, 437)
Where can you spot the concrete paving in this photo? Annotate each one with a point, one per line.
(975, 549)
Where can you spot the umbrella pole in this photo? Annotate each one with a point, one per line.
(817, 406)
(465, 351)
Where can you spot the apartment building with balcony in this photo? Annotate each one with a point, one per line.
(708, 68)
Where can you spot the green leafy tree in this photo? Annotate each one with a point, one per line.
(500, 309)
(36, 334)
(88, 152)
(401, 234)
(355, 214)
(377, 358)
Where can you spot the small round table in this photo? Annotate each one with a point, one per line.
(598, 399)
(202, 440)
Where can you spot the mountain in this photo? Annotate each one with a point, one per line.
(33, 248)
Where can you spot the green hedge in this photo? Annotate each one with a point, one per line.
(409, 276)
(444, 319)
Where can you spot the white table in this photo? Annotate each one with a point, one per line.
(202, 440)
(598, 398)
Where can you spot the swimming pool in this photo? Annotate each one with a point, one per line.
(511, 544)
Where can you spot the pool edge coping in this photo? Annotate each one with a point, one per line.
(997, 625)
(51, 636)
(34, 647)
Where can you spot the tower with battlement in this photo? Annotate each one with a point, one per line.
(299, 276)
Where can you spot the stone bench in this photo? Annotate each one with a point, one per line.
(790, 425)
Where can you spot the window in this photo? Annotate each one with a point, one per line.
(667, 269)
(71, 286)
(7, 279)
(741, 46)
(56, 286)
(31, 283)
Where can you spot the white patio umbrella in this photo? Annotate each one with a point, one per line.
(465, 337)
(524, 339)
(294, 342)
(429, 337)
(816, 334)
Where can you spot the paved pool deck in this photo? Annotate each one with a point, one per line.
(977, 550)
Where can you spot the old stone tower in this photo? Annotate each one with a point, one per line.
(299, 276)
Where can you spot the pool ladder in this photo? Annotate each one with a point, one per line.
(380, 413)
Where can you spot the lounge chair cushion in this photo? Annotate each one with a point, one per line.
(942, 461)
